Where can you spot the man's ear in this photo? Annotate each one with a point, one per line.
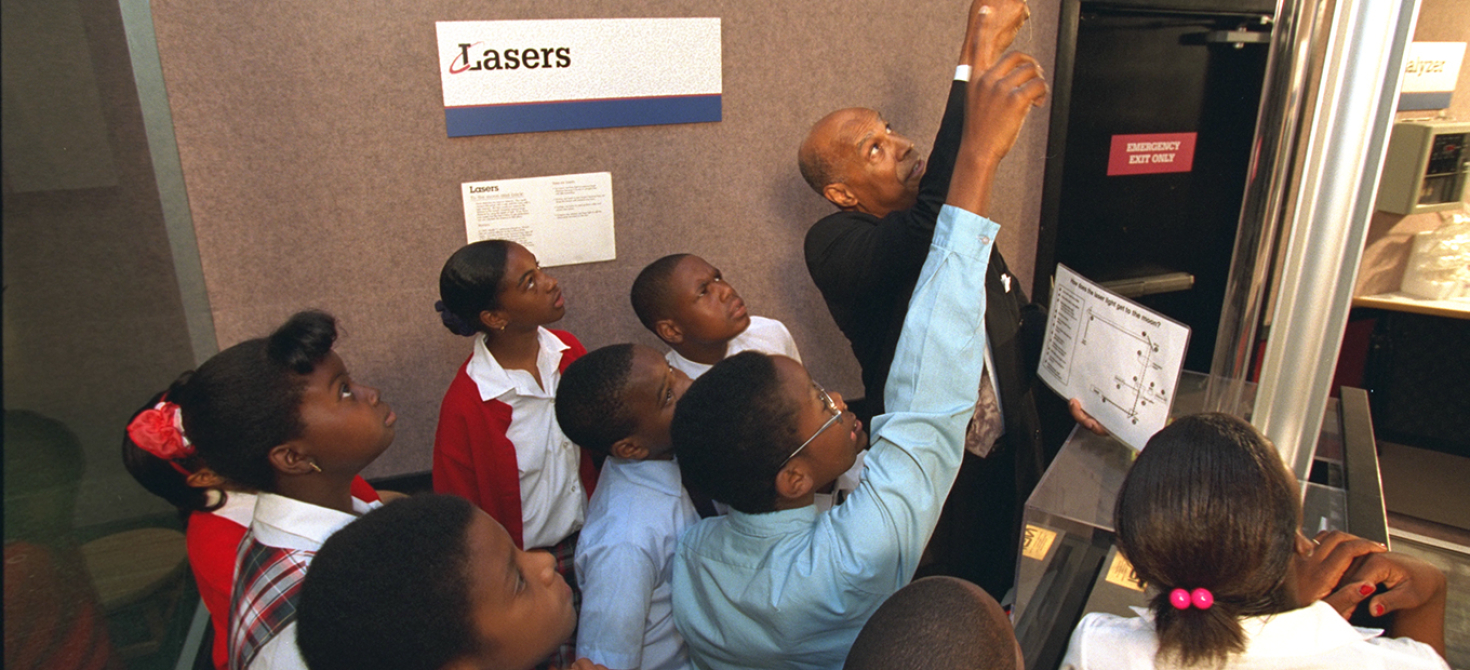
(839, 194)
(668, 331)
(630, 448)
(289, 460)
(204, 478)
(793, 482)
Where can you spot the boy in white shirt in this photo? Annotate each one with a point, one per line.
(687, 303)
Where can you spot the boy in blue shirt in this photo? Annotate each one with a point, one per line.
(775, 583)
(618, 401)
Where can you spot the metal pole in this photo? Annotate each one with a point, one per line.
(1273, 155)
(1341, 154)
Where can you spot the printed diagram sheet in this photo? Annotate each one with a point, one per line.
(1120, 358)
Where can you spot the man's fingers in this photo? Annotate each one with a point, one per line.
(1083, 418)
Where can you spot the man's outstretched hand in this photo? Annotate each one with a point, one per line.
(991, 28)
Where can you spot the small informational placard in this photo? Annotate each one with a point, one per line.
(1153, 153)
(1036, 542)
(531, 76)
(564, 219)
(1120, 358)
(1430, 72)
(1121, 573)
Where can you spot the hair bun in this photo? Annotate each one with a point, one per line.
(452, 321)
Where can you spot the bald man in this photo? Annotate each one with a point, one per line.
(866, 257)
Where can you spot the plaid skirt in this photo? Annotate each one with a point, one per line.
(564, 552)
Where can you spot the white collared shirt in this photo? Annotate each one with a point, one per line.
(1311, 638)
(553, 504)
(291, 524)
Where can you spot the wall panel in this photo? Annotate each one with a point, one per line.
(319, 174)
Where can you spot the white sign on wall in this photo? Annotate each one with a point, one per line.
(529, 76)
(1431, 70)
(563, 219)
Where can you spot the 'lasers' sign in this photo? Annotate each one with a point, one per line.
(529, 76)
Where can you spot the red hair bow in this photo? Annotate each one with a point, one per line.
(160, 431)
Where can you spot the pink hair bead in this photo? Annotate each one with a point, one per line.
(1179, 598)
(1201, 598)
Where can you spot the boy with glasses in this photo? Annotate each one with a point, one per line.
(775, 583)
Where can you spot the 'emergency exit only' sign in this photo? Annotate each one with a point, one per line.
(1151, 153)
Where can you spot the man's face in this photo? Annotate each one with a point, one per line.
(879, 168)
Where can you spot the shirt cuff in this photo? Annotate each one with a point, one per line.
(962, 73)
(965, 232)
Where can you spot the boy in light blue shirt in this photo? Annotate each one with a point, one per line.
(618, 401)
(775, 583)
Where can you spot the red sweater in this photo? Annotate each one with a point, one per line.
(475, 460)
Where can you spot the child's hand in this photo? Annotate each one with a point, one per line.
(1414, 594)
(1320, 569)
(584, 664)
(1409, 583)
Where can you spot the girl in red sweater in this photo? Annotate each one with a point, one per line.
(498, 444)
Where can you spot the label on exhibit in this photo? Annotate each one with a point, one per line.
(563, 219)
(531, 76)
(1431, 70)
(1120, 358)
(1036, 541)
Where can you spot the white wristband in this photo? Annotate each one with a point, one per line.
(962, 73)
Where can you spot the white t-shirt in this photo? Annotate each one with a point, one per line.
(767, 336)
(1311, 638)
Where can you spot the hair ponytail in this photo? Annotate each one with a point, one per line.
(167, 478)
(1209, 504)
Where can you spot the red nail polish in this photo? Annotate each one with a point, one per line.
(1378, 610)
(1366, 589)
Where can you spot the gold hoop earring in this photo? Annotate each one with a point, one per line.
(316, 467)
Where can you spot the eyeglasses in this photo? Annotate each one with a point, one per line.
(831, 407)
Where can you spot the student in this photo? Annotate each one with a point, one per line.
(1209, 515)
(938, 623)
(280, 416)
(498, 444)
(215, 512)
(619, 401)
(687, 303)
(775, 583)
(432, 583)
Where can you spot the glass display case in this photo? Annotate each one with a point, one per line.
(1068, 564)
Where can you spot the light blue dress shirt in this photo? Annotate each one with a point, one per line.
(624, 561)
(791, 589)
